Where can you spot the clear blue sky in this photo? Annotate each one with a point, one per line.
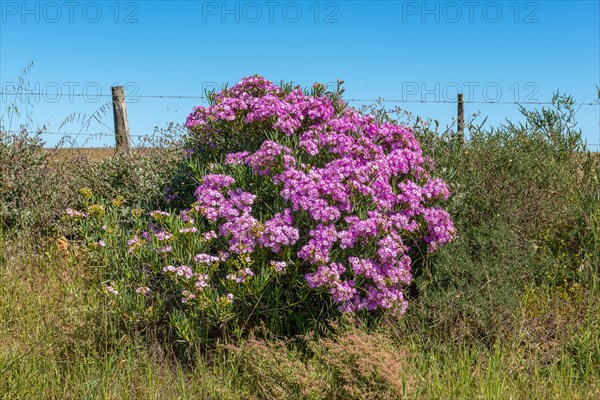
(407, 50)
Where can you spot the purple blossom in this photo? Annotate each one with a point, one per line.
(201, 282)
(75, 214)
(223, 256)
(265, 159)
(146, 236)
(439, 227)
(163, 236)
(319, 246)
(183, 271)
(278, 266)
(358, 184)
(134, 243)
(279, 232)
(241, 276)
(157, 214)
(241, 232)
(207, 236)
(143, 290)
(206, 259)
(165, 249)
(187, 296)
(236, 158)
(186, 217)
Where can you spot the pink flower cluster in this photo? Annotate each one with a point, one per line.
(134, 244)
(264, 159)
(278, 266)
(75, 214)
(255, 99)
(361, 183)
(143, 290)
(158, 214)
(189, 277)
(234, 208)
(279, 231)
(206, 259)
(241, 276)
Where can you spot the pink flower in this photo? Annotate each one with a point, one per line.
(278, 266)
(143, 290)
(206, 259)
(351, 184)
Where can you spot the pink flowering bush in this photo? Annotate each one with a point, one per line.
(361, 191)
(304, 208)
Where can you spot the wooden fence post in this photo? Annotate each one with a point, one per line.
(461, 117)
(120, 115)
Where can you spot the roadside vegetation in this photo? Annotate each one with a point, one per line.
(509, 308)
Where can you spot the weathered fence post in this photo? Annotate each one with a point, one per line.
(120, 115)
(461, 117)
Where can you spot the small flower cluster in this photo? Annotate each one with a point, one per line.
(278, 266)
(264, 159)
(134, 244)
(365, 186)
(95, 210)
(169, 195)
(118, 201)
(86, 192)
(159, 215)
(194, 281)
(256, 99)
(75, 214)
(206, 259)
(279, 231)
(241, 276)
(208, 236)
(163, 236)
(182, 271)
(143, 290)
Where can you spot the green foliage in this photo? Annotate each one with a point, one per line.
(146, 298)
(38, 184)
(525, 202)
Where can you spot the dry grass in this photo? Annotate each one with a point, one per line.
(92, 153)
(352, 365)
(365, 366)
(96, 154)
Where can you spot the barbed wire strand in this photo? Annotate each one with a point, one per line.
(381, 99)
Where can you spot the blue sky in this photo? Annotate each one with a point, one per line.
(406, 50)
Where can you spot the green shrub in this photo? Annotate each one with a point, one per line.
(38, 184)
(525, 203)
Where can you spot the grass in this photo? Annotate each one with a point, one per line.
(92, 153)
(56, 341)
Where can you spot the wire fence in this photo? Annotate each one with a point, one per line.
(376, 100)
(380, 100)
